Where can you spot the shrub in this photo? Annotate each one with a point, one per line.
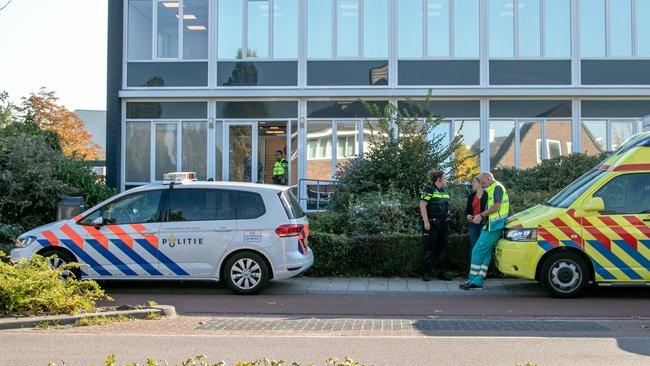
(329, 222)
(202, 360)
(35, 288)
(378, 213)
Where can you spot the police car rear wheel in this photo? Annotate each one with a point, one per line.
(565, 275)
(246, 273)
(58, 260)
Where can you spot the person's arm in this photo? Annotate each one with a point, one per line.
(469, 209)
(498, 196)
(425, 216)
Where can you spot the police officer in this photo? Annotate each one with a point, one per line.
(435, 216)
(280, 168)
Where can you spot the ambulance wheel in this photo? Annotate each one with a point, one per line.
(58, 259)
(565, 274)
(246, 273)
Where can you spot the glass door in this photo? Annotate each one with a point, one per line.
(242, 160)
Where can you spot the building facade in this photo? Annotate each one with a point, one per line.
(218, 86)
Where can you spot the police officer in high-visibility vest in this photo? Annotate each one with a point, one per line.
(494, 217)
(435, 217)
(280, 168)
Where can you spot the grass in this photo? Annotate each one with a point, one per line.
(153, 316)
(102, 320)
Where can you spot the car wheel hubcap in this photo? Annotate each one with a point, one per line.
(57, 263)
(246, 274)
(565, 275)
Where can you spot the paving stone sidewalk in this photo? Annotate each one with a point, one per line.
(397, 286)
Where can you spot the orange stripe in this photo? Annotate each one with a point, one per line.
(77, 218)
(624, 167)
(550, 238)
(604, 240)
(639, 225)
(51, 237)
(152, 239)
(103, 240)
(117, 230)
(620, 231)
(567, 231)
(76, 238)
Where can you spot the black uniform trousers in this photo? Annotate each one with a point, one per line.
(434, 246)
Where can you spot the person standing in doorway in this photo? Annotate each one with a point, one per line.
(495, 217)
(280, 168)
(435, 216)
(476, 201)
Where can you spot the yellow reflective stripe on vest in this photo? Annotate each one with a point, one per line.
(278, 167)
(437, 195)
(502, 213)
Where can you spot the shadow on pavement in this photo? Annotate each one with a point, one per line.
(634, 345)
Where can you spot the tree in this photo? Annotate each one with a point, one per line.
(6, 109)
(42, 109)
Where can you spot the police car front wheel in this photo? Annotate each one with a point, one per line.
(59, 260)
(246, 273)
(565, 274)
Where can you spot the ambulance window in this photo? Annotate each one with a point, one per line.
(249, 205)
(187, 204)
(626, 194)
(135, 208)
(570, 193)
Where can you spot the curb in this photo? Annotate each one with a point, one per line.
(31, 322)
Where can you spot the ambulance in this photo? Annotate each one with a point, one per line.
(596, 230)
(242, 234)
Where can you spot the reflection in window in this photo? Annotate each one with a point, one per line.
(258, 28)
(501, 33)
(470, 131)
(230, 30)
(502, 143)
(529, 28)
(166, 149)
(218, 153)
(137, 208)
(319, 29)
(594, 134)
(195, 148)
(409, 24)
(643, 28)
(375, 29)
(319, 150)
(285, 29)
(466, 28)
(438, 28)
(139, 30)
(347, 147)
(137, 160)
(557, 26)
(621, 131)
(167, 31)
(620, 27)
(373, 134)
(592, 28)
(192, 205)
(347, 28)
(530, 147)
(561, 131)
(626, 194)
(195, 29)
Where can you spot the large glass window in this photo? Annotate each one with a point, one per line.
(592, 28)
(557, 28)
(501, 28)
(529, 28)
(186, 204)
(530, 144)
(347, 28)
(599, 135)
(620, 27)
(258, 28)
(139, 30)
(438, 28)
(608, 28)
(166, 149)
(230, 29)
(319, 29)
(195, 29)
(137, 160)
(502, 144)
(285, 29)
(466, 28)
(642, 28)
(167, 29)
(194, 141)
(375, 29)
(626, 194)
(409, 24)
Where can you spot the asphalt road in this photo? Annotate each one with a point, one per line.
(200, 298)
(38, 348)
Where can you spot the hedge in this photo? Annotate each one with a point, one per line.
(396, 255)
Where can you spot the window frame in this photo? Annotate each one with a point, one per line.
(542, 34)
(162, 204)
(608, 127)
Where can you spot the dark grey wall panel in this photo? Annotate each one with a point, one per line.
(113, 86)
(458, 72)
(538, 72)
(342, 109)
(530, 108)
(615, 72)
(257, 73)
(167, 110)
(615, 108)
(159, 74)
(445, 109)
(341, 73)
(259, 110)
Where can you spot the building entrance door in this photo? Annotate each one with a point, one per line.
(242, 164)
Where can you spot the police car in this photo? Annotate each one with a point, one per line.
(240, 233)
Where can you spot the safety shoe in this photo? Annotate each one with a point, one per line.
(470, 286)
(443, 276)
(426, 278)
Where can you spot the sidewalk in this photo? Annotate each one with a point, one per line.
(397, 286)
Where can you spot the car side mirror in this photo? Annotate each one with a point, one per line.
(595, 204)
(99, 221)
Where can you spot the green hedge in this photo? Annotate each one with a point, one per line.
(395, 255)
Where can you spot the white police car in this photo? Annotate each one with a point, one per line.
(244, 234)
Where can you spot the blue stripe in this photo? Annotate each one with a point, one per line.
(616, 261)
(645, 243)
(44, 242)
(83, 274)
(162, 258)
(545, 245)
(111, 257)
(84, 257)
(571, 243)
(602, 271)
(627, 248)
(136, 257)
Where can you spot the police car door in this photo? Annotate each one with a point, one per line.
(192, 236)
(125, 244)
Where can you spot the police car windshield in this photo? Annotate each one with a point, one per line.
(570, 193)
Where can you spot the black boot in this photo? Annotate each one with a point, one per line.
(442, 275)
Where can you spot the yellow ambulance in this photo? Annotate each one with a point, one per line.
(596, 230)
